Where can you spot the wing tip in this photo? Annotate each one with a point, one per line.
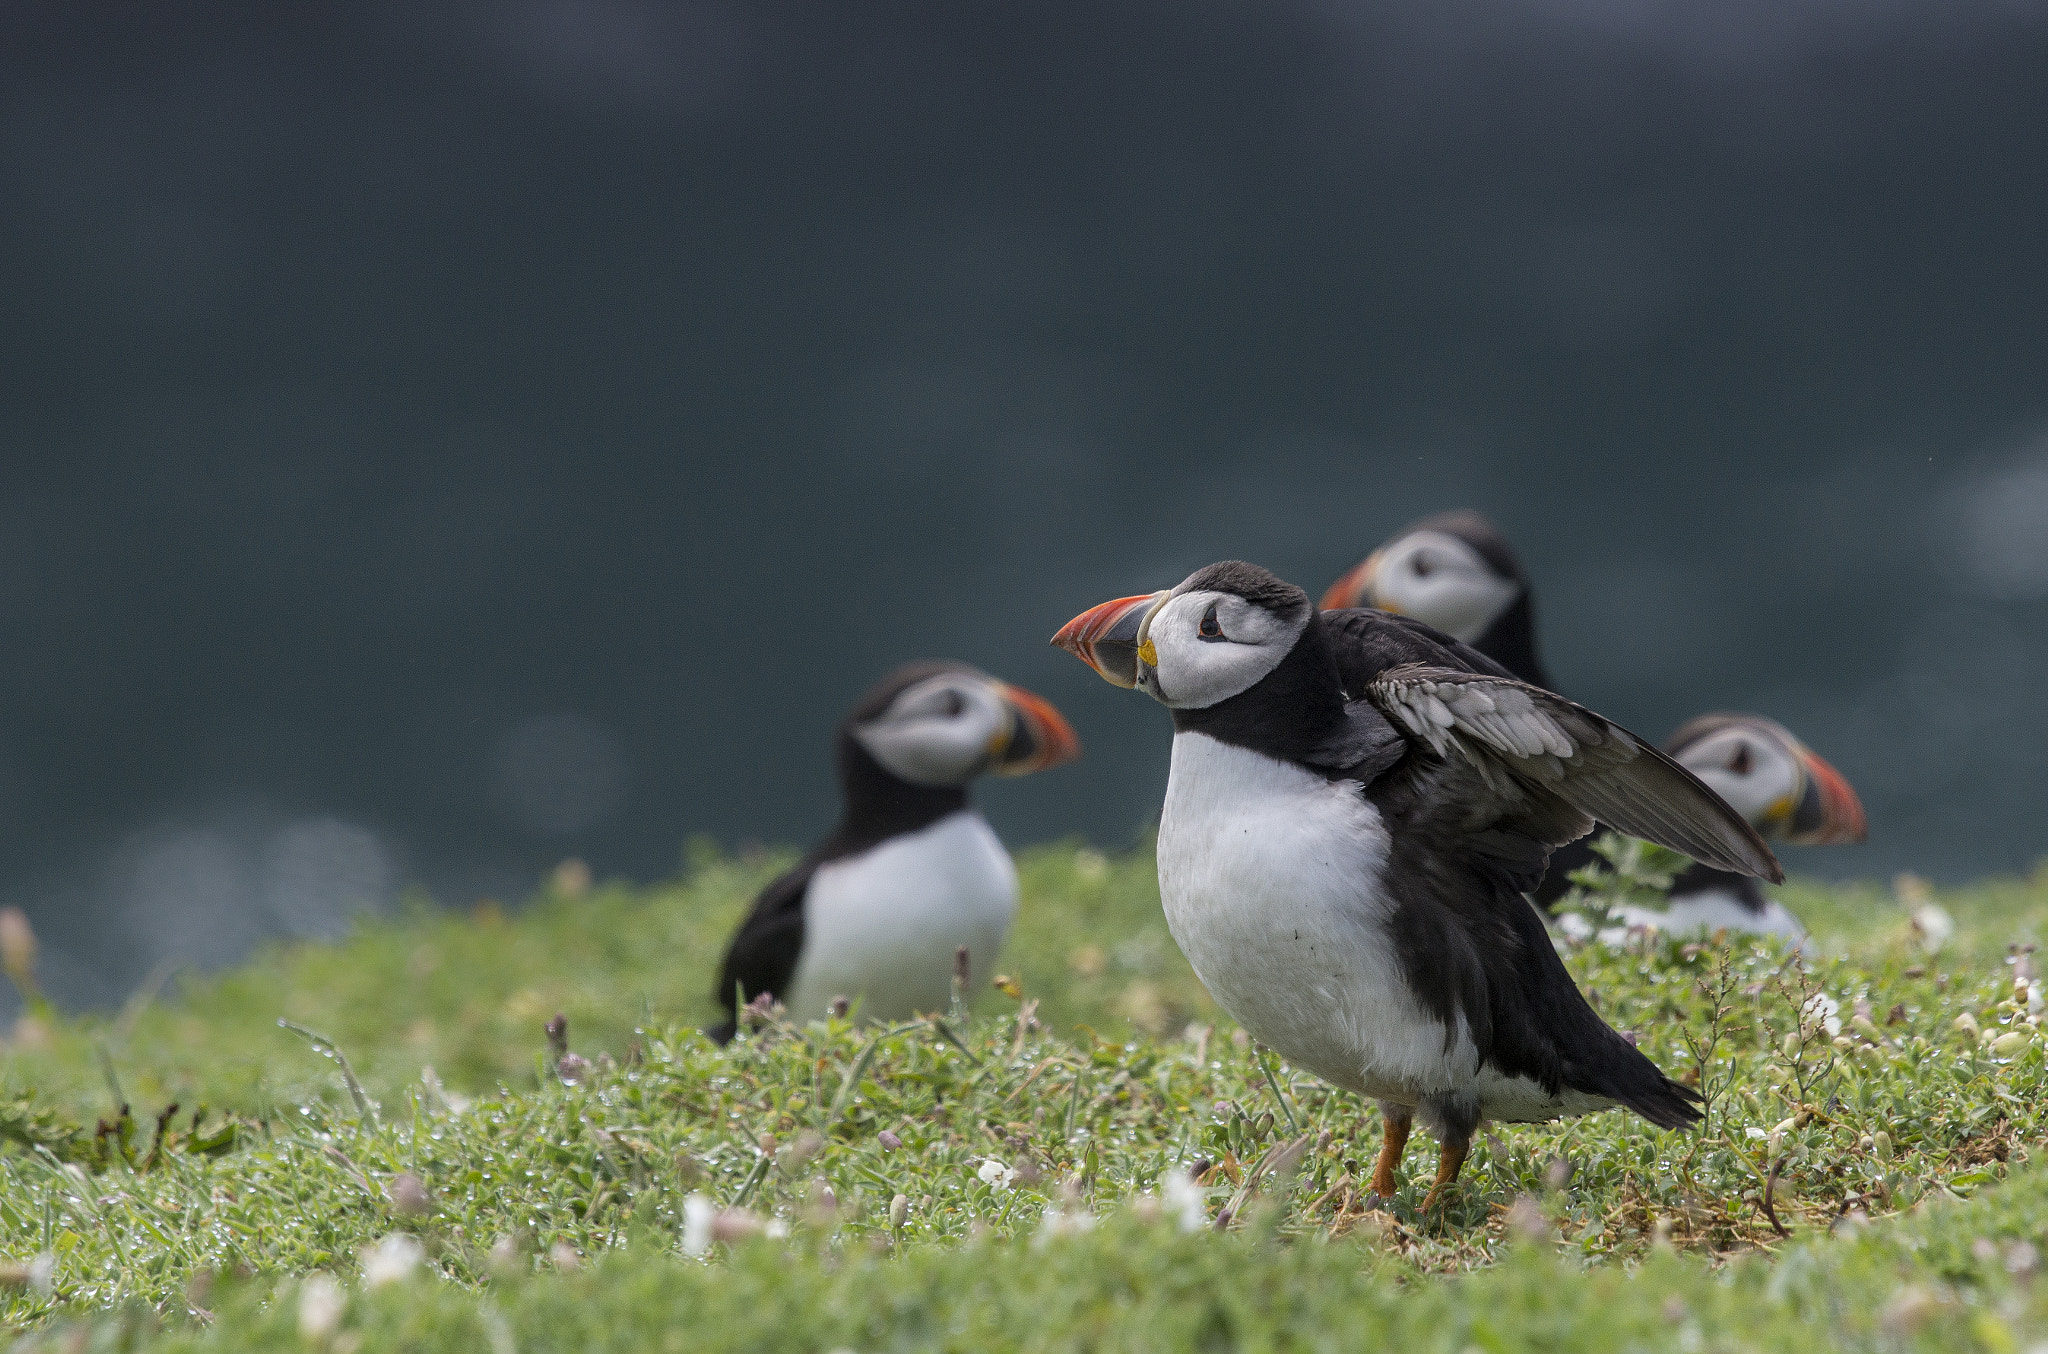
(1776, 874)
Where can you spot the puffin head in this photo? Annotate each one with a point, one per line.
(943, 724)
(1769, 777)
(1453, 571)
(1220, 632)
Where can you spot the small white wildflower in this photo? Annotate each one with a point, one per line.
(1756, 1133)
(391, 1260)
(42, 1274)
(996, 1175)
(699, 1214)
(1185, 1200)
(776, 1230)
(1822, 1009)
(1934, 924)
(320, 1304)
(1060, 1222)
(1931, 923)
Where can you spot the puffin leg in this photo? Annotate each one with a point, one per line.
(1399, 1119)
(1450, 1159)
(1453, 1119)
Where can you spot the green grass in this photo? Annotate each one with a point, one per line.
(1559, 1237)
(468, 994)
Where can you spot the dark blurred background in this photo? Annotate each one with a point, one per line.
(440, 440)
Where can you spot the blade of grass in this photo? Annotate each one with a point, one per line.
(1266, 1066)
(753, 1181)
(322, 1044)
(106, 1061)
(954, 1040)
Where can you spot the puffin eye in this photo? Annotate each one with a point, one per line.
(1211, 628)
(1421, 565)
(1739, 764)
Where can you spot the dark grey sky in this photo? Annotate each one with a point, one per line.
(436, 444)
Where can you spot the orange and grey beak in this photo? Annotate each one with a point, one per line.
(1355, 587)
(1828, 812)
(1109, 637)
(1039, 736)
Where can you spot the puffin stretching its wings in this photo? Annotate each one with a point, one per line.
(1355, 807)
(876, 912)
(1455, 571)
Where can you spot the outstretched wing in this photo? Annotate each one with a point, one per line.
(1526, 743)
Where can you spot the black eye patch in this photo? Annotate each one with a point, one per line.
(1210, 628)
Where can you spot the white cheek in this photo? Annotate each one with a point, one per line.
(932, 751)
(1459, 604)
(1193, 673)
(1460, 595)
(1749, 795)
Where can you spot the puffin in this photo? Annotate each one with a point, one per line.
(1356, 805)
(1456, 572)
(1785, 790)
(877, 912)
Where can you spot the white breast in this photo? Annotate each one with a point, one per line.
(882, 926)
(1271, 877)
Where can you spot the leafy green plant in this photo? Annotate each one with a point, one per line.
(1635, 874)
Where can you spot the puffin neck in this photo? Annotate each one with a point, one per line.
(878, 805)
(1511, 642)
(1289, 712)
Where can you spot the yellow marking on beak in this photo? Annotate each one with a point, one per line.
(1780, 809)
(1148, 655)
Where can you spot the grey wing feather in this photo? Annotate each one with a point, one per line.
(1520, 738)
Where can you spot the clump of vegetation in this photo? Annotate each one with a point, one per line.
(1631, 873)
(1093, 1156)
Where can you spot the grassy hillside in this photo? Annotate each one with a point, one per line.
(1018, 1179)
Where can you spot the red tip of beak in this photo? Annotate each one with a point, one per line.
(1049, 740)
(1842, 819)
(1105, 637)
(1352, 588)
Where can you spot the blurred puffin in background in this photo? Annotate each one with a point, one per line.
(1457, 573)
(1356, 804)
(877, 911)
(1784, 790)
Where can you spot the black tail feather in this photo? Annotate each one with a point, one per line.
(1669, 1105)
(1622, 1072)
